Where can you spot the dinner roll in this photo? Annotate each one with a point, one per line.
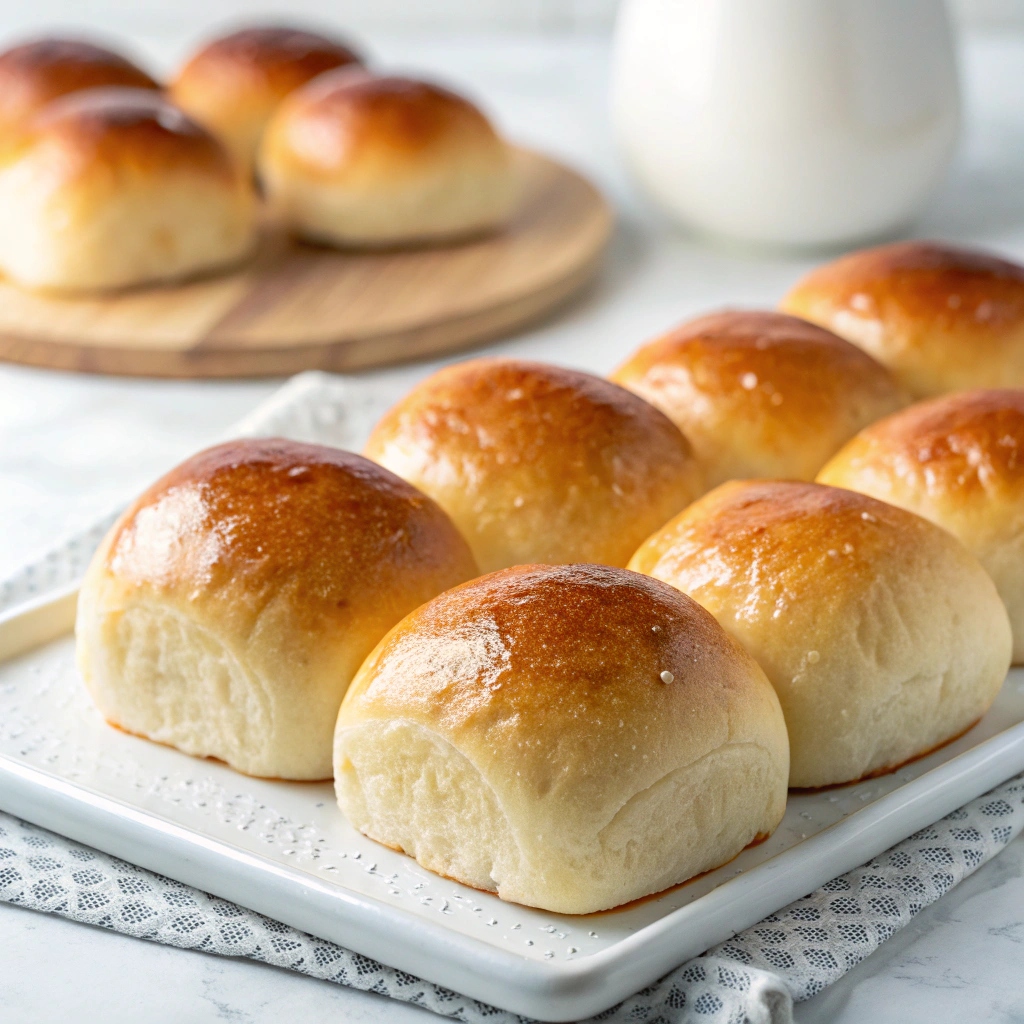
(958, 461)
(228, 609)
(36, 72)
(883, 636)
(358, 159)
(115, 187)
(234, 83)
(940, 317)
(537, 463)
(568, 737)
(760, 394)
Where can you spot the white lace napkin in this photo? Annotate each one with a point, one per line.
(751, 979)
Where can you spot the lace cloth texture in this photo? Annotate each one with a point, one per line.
(753, 978)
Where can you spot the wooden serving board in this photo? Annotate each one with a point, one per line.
(296, 307)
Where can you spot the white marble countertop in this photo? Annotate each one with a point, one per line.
(72, 446)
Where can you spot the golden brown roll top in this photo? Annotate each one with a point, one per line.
(940, 317)
(359, 159)
(230, 606)
(880, 632)
(537, 463)
(97, 130)
(568, 737)
(36, 72)
(760, 394)
(958, 461)
(234, 83)
(113, 187)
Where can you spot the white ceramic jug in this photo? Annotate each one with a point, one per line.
(787, 123)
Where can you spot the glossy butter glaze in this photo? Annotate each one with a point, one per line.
(538, 463)
(251, 523)
(759, 393)
(941, 317)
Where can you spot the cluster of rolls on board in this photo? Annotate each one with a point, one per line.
(570, 639)
(109, 180)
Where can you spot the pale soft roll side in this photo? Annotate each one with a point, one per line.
(940, 317)
(881, 633)
(958, 461)
(110, 188)
(570, 738)
(228, 609)
(760, 394)
(538, 463)
(354, 159)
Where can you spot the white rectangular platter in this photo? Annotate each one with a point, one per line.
(284, 849)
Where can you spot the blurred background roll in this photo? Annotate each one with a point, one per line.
(235, 82)
(34, 73)
(113, 187)
(356, 159)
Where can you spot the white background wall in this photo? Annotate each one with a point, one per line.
(181, 18)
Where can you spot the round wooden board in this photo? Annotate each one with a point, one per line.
(297, 307)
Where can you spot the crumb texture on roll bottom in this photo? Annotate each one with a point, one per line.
(760, 394)
(109, 188)
(940, 317)
(537, 463)
(40, 70)
(569, 737)
(234, 83)
(881, 633)
(230, 606)
(363, 160)
(958, 461)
